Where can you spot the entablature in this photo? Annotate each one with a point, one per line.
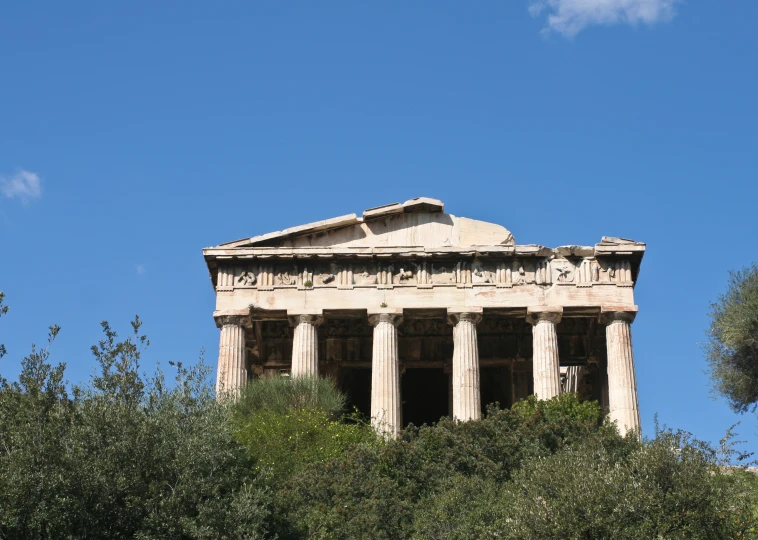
(421, 267)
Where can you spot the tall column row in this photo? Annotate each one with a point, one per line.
(386, 404)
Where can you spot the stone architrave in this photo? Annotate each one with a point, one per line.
(467, 404)
(622, 382)
(305, 344)
(232, 373)
(546, 364)
(386, 403)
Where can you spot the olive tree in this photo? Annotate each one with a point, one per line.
(732, 348)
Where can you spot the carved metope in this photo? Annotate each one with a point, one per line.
(246, 278)
(563, 272)
(305, 345)
(622, 383)
(386, 404)
(466, 391)
(546, 365)
(232, 373)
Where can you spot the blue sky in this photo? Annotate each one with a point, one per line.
(132, 136)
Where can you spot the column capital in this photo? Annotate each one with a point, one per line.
(314, 318)
(470, 314)
(390, 315)
(237, 317)
(611, 314)
(538, 314)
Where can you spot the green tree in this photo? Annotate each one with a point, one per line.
(732, 348)
(125, 456)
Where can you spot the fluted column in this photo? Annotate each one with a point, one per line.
(305, 345)
(232, 372)
(386, 403)
(467, 401)
(546, 367)
(622, 382)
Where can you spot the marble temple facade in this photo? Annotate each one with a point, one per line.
(419, 314)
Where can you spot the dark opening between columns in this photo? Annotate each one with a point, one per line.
(425, 394)
(355, 383)
(496, 386)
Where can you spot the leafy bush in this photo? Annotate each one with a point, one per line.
(545, 469)
(464, 508)
(123, 457)
(287, 442)
(280, 395)
(374, 491)
(670, 487)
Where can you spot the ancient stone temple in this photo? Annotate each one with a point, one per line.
(419, 314)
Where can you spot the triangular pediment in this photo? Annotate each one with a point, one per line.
(418, 222)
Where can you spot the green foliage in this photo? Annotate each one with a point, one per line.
(463, 508)
(732, 349)
(130, 457)
(374, 490)
(671, 487)
(287, 442)
(288, 423)
(123, 457)
(280, 395)
(546, 469)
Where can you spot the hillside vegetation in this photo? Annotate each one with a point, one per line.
(126, 456)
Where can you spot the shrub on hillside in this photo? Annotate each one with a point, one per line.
(374, 491)
(281, 395)
(123, 457)
(545, 469)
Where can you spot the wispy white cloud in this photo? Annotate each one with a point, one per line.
(23, 185)
(569, 17)
(141, 270)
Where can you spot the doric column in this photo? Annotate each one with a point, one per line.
(232, 372)
(622, 382)
(467, 401)
(386, 403)
(546, 366)
(305, 344)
